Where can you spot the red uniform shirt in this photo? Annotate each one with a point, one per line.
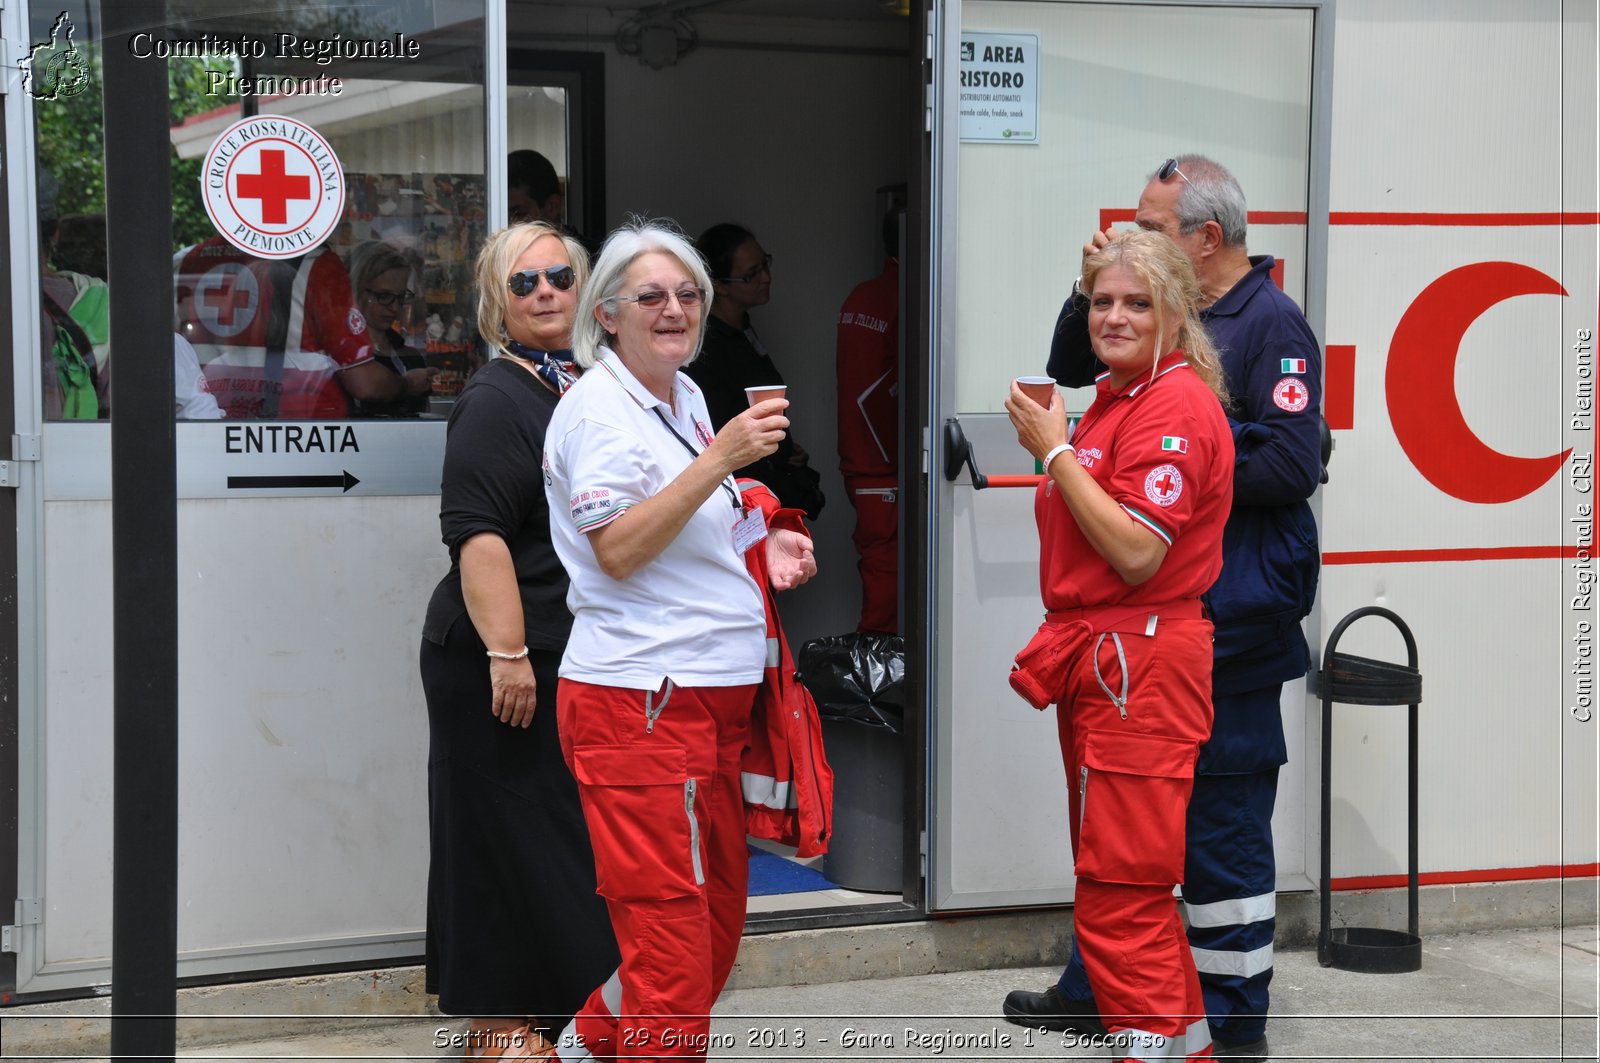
(1163, 451)
(226, 303)
(868, 353)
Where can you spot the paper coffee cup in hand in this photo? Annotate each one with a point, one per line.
(765, 392)
(1038, 388)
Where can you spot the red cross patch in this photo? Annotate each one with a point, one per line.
(1163, 485)
(357, 323)
(1291, 394)
(702, 432)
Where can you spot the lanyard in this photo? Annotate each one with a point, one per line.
(732, 489)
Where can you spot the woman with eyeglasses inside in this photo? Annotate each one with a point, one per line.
(516, 935)
(734, 357)
(381, 275)
(669, 647)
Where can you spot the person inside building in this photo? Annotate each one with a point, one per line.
(734, 358)
(533, 190)
(668, 659)
(1273, 367)
(279, 338)
(1130, 520)
(381, 277)
(516, 935)
(867, 354)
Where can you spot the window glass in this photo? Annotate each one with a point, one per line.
(376, 320)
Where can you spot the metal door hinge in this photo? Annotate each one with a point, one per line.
(25, 447)
(29, 911)
(922, 848)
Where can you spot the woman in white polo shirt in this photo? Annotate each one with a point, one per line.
(668, 642)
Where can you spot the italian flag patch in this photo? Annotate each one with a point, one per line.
(1294, 365)
(1175, 443)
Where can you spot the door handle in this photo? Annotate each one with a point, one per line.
(958, 455)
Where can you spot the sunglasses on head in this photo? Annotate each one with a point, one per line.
(655, 299)
(1168, 168)
(523, 282)
(391, 298)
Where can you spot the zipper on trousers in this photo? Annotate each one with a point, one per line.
(650, 714)
(689, 790)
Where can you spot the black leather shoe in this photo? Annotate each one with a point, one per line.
(1052, 1011)
(1254, 1052)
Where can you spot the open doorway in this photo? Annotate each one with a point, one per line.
(790, 118)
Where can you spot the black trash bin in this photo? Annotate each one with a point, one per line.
(858, 681)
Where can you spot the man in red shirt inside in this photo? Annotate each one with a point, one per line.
(278, 338)
(868, 352)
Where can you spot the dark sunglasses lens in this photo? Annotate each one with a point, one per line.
(1168, 168)
(521, 284)
(561, 278)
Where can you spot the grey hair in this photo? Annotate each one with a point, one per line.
(637, 236)
(1210, 194)
(370, 260)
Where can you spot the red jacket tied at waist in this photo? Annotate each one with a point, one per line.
(1039, 673)
(787, 784)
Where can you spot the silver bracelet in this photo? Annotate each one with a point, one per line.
(1056, 453)
(519, 655)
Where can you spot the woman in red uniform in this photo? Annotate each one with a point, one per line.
(1130, 526)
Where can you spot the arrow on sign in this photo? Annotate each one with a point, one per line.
(258, 483)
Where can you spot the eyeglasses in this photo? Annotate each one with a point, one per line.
(655, 299)
(390, 298)
(1168, 168)
(764, 266)
(523, 282)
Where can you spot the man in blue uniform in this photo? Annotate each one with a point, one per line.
(1269, 578)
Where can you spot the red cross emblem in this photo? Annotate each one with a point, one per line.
(1164, 485)
(273, 186)
(226, 298)
(1291, 394)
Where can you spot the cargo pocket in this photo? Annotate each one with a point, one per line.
(1135, 791)
(639, 805)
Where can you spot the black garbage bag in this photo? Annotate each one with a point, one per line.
(857, 677)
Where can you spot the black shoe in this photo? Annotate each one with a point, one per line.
(1254, 1052)
(1052, 1011)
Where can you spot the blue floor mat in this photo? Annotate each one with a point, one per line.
(771, 874)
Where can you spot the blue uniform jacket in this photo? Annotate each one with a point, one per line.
(1270, 557)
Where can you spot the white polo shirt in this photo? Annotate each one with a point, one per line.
(693, 614)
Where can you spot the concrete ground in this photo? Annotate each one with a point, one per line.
(1500, 995)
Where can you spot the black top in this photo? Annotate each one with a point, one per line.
(494, 482)
(729, 362)
(402, 360)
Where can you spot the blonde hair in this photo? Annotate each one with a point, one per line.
(1165, 270)
(500, 252)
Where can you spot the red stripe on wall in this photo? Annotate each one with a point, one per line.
(1466, 553)
(1458, 878)
(1339, 385)
(1108, 215)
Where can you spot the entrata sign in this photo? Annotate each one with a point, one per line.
(273, 186)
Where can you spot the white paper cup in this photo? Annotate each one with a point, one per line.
(765, 392)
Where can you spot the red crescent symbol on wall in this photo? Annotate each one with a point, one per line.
(1420, 384)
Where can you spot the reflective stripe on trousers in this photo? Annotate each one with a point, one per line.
(1146, 1047)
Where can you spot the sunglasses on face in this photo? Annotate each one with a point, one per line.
(688, 298)
(523, 282)
(764, 266)
(391, 298)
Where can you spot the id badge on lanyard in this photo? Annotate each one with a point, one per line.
(748, 531)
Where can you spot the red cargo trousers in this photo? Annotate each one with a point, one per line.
(1136, 709)
(662, 800)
